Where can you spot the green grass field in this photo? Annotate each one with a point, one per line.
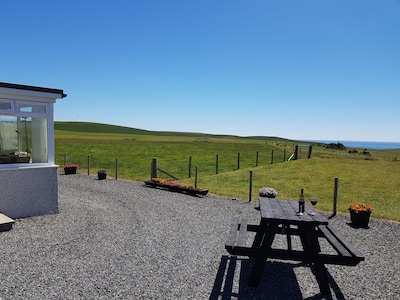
(373, 180)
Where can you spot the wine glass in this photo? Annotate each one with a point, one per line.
(314, 201)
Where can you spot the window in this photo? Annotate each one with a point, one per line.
(6, 105)
(29, 108)
(23, 132)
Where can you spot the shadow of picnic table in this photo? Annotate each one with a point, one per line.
(279, 281)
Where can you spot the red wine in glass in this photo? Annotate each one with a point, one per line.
(313, 201)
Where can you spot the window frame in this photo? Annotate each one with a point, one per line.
(15, 111)
(11, 102)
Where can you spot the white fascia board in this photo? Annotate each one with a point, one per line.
(19, 94)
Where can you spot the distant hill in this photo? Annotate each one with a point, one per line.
(97, 128)
(107, 128)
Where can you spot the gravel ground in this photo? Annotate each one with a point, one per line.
(115, 239)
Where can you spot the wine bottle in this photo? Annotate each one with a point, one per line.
(301, 202)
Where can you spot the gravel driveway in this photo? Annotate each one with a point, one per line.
(115, 239)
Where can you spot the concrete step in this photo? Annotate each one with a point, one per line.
(6, 223)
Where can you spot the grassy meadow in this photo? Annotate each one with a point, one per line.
(373, 180)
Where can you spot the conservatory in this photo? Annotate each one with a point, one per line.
(28, 175)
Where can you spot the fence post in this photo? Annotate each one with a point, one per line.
(154, 168)
(309, 151)
(284, 154)
(196, 175)
(296, 152)
(272, 156)
(251, 185)
(257, 159)
(88, 164)
(216, 164)
(190, 166)
(116, 168)
(238, 160)
(335, 196)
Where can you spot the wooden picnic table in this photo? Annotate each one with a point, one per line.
(282, 217)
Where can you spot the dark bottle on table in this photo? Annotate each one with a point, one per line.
(301, 202)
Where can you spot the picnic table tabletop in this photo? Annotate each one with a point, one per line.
(286, 211)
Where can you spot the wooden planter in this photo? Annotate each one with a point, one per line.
(177, 188)
(360, 218)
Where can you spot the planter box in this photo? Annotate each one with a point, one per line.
(360, 218)
(102, 174)
(70, 170)
(177, 188)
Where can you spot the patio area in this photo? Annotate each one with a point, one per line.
(116, 239)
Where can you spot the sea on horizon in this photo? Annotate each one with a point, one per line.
(363, 144)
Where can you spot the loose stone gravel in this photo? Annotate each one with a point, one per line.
(116, 239)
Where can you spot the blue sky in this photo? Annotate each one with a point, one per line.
(311, 69)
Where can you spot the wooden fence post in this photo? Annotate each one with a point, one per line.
(196, 176)
(335, 196)
(257, 159)
(154, 168)
(88, 164)
(272, 156)
(251, 185)
(309, 151)
(190, 166)
(116, 168)
(296, 152)
(284, 154)
(216, 164)
(238, 161)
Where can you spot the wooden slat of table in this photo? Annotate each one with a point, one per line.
(286, 210)
(242, 233)
(290, 209)
(335, 243)
(273, 209)
(270, 209)
(232, 233)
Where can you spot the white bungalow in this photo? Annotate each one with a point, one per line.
(28, 175)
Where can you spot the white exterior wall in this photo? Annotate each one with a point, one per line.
(29, 191)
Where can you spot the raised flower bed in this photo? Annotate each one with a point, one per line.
(174, 186)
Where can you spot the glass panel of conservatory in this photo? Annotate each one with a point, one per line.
(8, 136)
(23, 140)
(5, 106)
(39, 140)
(32, 108)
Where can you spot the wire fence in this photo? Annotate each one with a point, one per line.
(138, 169)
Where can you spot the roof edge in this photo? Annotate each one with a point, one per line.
(32, 88)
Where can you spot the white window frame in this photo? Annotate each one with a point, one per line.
(16, 104)
(19, 104)
(7, 111)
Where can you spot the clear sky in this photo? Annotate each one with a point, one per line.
(310, 69)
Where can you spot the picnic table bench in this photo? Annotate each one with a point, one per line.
(281, 217)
